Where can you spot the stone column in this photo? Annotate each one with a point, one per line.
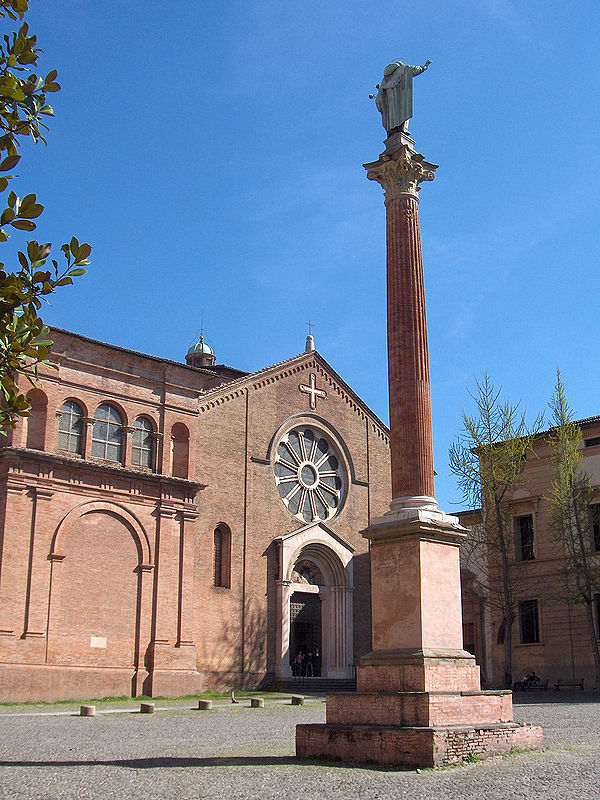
(339, 638)
(415, 568)
(282, 636)
(400, 170)
(418, 694)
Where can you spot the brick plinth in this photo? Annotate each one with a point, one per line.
(412, 746)
(420, 709)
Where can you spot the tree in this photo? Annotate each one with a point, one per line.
(488, 459)
(572, 523)
(24, 342)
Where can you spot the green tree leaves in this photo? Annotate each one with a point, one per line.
(24, 342)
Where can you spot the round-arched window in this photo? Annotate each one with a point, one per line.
(70, 427)
(141, 443)
(107, 436)
(309, 474)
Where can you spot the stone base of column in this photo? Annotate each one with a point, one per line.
(388, 721)
(406, 510)
(418, 671)
(416, 705)
(431, 746)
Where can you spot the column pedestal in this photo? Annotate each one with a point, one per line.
(419, 700)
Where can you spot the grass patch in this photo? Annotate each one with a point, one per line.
(105, 702)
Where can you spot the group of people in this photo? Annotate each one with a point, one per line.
(304, 664)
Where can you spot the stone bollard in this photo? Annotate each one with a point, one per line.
(87, 711)
(257, 702)
(146, 708)
(297, 700)
(205, 705)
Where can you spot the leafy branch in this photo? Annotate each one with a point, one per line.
(24, 342)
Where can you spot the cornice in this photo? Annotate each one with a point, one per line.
(99, 466)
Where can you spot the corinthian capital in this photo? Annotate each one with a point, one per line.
(400, 172)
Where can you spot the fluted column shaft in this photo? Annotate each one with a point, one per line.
(409, 387)
(400, 170)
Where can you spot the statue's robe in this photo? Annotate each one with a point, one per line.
(394, 98)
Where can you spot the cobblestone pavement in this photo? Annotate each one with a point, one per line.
(237, 752)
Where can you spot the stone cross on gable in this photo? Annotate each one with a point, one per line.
(312, 390)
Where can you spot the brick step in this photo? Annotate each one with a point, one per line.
(317, 685)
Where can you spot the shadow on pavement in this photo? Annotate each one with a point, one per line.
(216, 761)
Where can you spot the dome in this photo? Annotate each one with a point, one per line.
(200, 347)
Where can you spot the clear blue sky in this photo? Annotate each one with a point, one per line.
(212, 154)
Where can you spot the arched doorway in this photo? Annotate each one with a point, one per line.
(306, 645)
(314, 606)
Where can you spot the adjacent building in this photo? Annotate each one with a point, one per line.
(550, 635)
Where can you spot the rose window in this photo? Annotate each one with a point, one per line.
(309, 475)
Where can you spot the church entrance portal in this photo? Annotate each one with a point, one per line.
(305, 634)
(314, 607)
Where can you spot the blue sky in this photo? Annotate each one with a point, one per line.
(213, 157)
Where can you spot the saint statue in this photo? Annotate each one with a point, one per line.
(394, 98)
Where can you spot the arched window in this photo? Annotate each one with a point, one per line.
(180, 442)
(70, 426)
(142, 443)
(222, 556)
(36, 423)
(107, 436)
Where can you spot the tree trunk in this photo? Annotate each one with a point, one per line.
(594, 640)
(507, 600)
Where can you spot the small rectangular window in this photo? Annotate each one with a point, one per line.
(529, 621)
(524, 538)
(591, 442)
(595, 526)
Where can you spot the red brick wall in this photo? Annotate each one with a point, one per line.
(155, 602)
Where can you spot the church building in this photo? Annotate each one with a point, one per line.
(168, 528)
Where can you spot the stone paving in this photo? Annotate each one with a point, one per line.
(237, 752)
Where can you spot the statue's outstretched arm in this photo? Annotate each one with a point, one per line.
(419, 70)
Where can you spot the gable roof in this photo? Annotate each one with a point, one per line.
(282, 369)
(261, 376)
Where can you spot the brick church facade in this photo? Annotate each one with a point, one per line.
(168, 528)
